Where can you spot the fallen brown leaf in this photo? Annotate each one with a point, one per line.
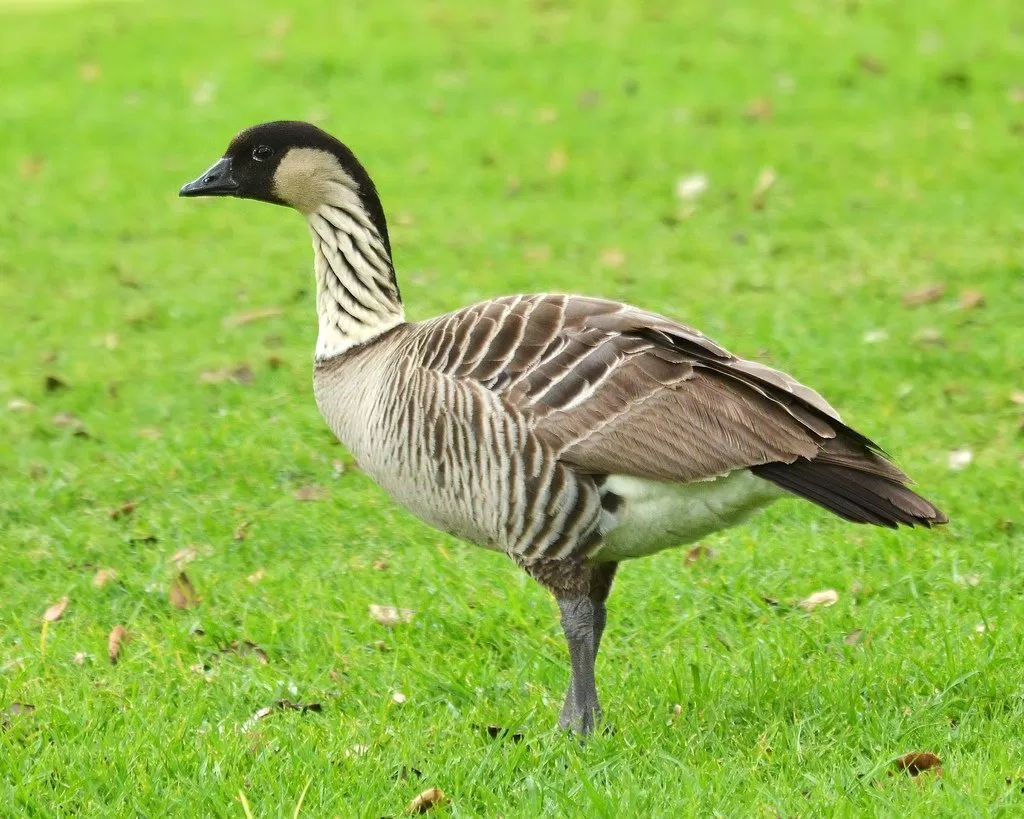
(182, 594)
(918, 762)
(183, 556)
(759, 109)
(244, 648)
(118, 637)
(310, 493)
(122, 511)
(429, 799)
(929, 336)
(256, 576)
(971, 299)
(240, 530)
(699, 553)
(67, 420)
(102, 577)
(870, 64)
(557, 161)
(20, 405)
(56, 611)
(537, 254)
(242, 374)
(79, 658)
(924, 295)
(1017, 397)
(213, 376)
(31, 166)
(381, 564)
(390, 615)
(250, 316)
(853, 637)
(826, 597)
(612, 257)
(16, 709)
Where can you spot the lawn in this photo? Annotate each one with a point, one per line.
(861, 228)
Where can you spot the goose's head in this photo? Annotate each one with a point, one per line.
(294, 164)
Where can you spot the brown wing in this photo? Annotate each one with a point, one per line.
(617, 390)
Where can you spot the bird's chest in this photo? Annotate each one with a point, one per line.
(425, 454)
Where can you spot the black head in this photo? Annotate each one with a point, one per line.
(289, 163)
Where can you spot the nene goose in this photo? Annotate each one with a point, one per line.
(570, 433)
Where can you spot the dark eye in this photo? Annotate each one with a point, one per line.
(262, 153)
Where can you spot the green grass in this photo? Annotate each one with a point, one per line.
(897, 143)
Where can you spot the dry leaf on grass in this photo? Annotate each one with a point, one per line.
(182, 594)
(1017, 397)
(398, 697)
(929, 336)
(249, 316)
(102, 577)
(56, 611)
(244, 648)
(123, 510)
(20, 405)
(429, 799)
(310, 492)
(16, 709)
(971, 299)
(79, 658)
(256, 576)
(390, 615)
(853, 637)
(612, 257)
(240, 530)
(826, 597)
(871, 64)
(960, 459)
(697, 553)
(924, 295)
(918, 762)
(68, 420)
(183, 556)
(381, 564)
(765, 182)
(557, 161)
(759, 109)
(118, 637)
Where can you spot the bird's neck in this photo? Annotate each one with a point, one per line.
(357, 296)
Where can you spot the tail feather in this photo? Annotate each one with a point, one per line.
(853, 493)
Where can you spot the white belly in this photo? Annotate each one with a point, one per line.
(655, 515)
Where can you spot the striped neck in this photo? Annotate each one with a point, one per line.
(357, 296)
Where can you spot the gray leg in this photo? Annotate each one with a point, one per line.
(581, 711)
(575, 709)
(600, 586)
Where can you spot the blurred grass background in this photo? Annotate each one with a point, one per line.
(533, 147)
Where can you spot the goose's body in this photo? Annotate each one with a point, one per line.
(570, 433)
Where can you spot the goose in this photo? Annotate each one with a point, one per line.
(571, 433)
